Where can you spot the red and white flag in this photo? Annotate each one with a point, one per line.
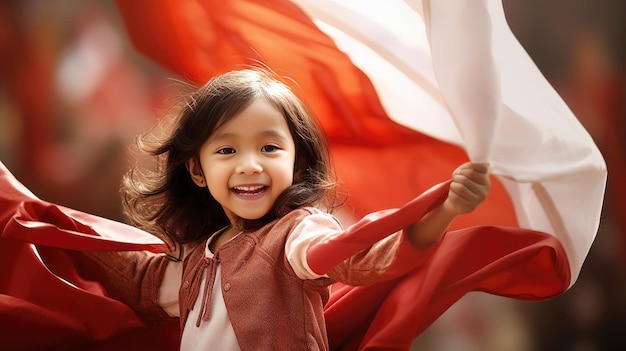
(406, 92)
(455, 71)
(447, 70)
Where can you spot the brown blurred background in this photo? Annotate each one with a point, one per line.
(74, 94)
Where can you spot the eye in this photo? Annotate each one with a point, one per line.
(269, 148)
(226, 151)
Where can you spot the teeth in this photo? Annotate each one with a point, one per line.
(249, 188)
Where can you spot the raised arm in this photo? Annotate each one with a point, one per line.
(469, 187)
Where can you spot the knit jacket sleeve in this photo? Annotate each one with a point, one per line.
(375, 247)
(388, 258)
(132, 277)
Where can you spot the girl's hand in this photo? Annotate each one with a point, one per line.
(470, 186)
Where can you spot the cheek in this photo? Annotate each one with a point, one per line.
(217, 176)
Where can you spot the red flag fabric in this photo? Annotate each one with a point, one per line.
(45, 304)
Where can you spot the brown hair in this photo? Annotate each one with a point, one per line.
(167, 203)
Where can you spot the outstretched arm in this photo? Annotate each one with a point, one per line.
(469, 187)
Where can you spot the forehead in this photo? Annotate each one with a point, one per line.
(259, 119)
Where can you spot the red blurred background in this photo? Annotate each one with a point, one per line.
(74, 94)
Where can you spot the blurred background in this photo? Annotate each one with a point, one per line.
(74, 94)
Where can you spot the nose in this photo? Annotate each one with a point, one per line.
(249, 164)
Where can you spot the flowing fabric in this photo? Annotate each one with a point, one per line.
(468, 69)
(45, 304)
(405, 93)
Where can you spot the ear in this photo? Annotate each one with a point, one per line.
(195, 170)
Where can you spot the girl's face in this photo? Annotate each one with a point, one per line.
(247, 162)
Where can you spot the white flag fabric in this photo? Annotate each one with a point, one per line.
(455, 71)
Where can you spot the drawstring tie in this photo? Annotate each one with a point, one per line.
(210, 266)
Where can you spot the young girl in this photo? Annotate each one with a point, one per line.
(244, 189)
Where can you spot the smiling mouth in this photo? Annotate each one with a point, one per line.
(249, 190)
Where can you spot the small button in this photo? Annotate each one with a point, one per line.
(226, 286)
(186, 284)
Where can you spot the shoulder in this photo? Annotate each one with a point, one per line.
(305, 217)
(313, 227)
(307, 221)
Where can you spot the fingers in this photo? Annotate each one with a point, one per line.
(470, 167)
(473, 175)
(470, 194)
(470, 186)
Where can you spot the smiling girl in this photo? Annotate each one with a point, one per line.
(244, 189)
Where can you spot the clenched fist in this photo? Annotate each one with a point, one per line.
(470, 186)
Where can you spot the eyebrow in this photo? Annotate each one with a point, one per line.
(267, 133)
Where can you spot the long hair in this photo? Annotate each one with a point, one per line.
(167, 203)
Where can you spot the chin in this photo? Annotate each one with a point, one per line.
(252, 217)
